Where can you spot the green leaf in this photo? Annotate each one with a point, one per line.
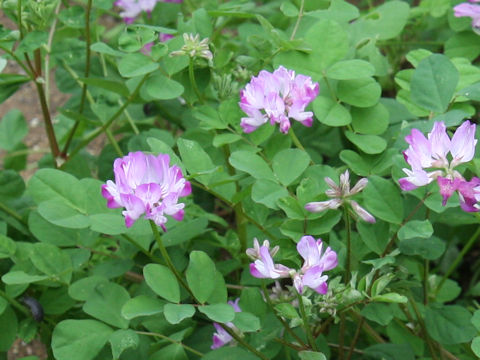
(370, 144)
(200, 272)
(289, 164)
(430, 248)
(175, 313)
(221, 313)
(109, 224)
(61, 213)
(390, 352)
(246, 322)
(160, 87)
(222, 139)
(110, 85)
(311, 355)
(105, 303)
(83, 288)
(8, 329)
(382, 198)
(7, 247)
(141, 305)
(251, 163)
(162, 281)
(287, 310)
(136, 64)
(20, 277)
(378, 312)
(185, 231)
(267, 192)
(52, 261)
(476, 346)
(79, 339)
(11, 184)
(196, 160)
(464, 45)
(433, 83)
(416, 228)
(375, 236)
(103, 48)
(364, 92)
(476, 319)
(13, 128)
(449, 324)
(295, 229)
(331, 113)
(350, 69)
(230, 353)
(122, 340)
(372, 120)
(3, 305)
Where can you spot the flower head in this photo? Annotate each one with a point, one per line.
(277, 97)
(469, 10)
(431, 152)
(146, 184)
(222, 337)
(340, 194)
(316, 261)
(194, 47)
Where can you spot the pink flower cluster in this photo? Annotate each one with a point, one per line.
(132, 8)
(277, 97)
(431, 152)
(316, 261)
(146, 184)
(221, 337)
(469, 10)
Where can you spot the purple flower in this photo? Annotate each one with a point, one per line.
(147, 48)
(316, 261)
(132, 8)
(432, 153)
(221, 337)
(469, 10)
(340, 196)
(146, 184)
(277, 97)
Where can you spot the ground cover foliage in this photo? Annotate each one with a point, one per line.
(229, 123)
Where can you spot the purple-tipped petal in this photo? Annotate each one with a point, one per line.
(364, 214)
(463, 143)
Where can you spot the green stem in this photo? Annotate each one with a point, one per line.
(186, 347)
(87, 55)
(295, 140)
(19, 17)
(299, 18)
(341, 336)
(15, 303)
(140, 247)
(306, 326)
(349, 245)
(114, 142)
(284, 323)
(109, 122)
(19, 62)
(424, 329)
(129, 119)
(191, 75)
(426, 266)
(167, 259)
(458, 259)
(355, 338)
(12, 213)
(49, 49)
(243, 342)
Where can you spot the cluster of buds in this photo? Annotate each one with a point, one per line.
(194, 47)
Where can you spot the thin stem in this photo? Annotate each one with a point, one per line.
(191, 75)
(341, 336)
(424, 329)
(19, 62)
(458, 259)
(349, 245)
(49, 49)
(87, 55)
(243, 342)
(109, 122)
(167, 259)
(330, 88)
(114, 142)
(129, 119)
(284, 323)
(186, 347)
(299, 18)
(52, 140)
(426, 266)
(338, 346)
(355, 338)
(140, 247)
(15, 303)
(306, 326)
(295, 140)
(12, 213)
